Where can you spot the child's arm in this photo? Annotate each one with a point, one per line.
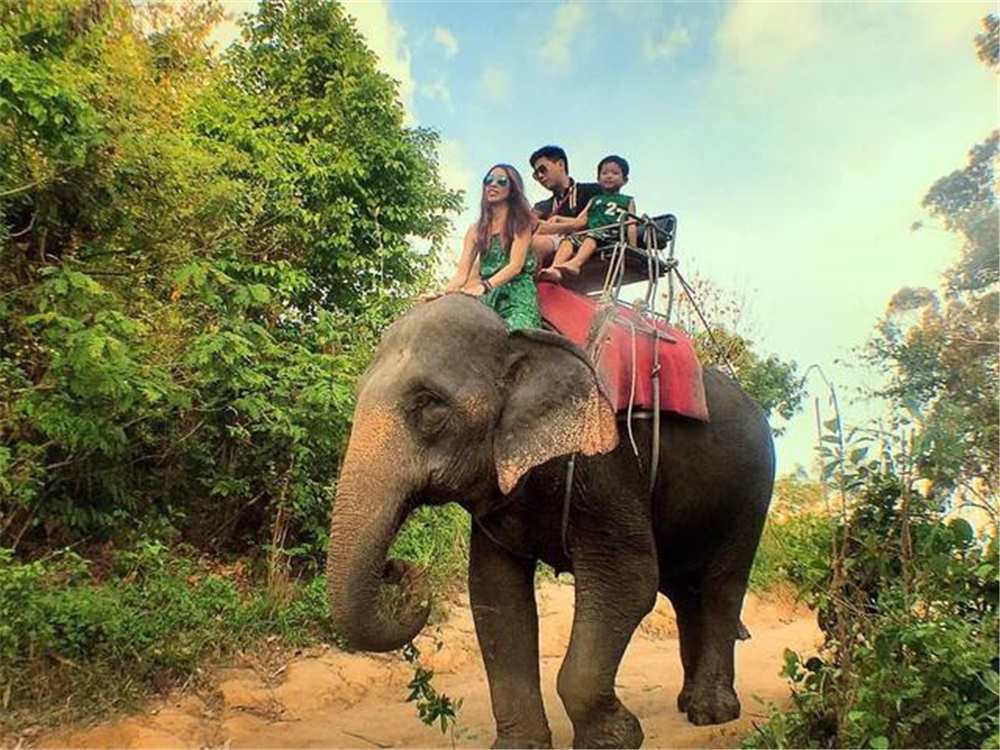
(518, 253)
(465, 263)
(633, 230)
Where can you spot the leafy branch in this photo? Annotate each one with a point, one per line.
(432, 707)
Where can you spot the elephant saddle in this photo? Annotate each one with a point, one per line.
(620, 341)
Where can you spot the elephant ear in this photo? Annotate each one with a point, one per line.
(555, 405)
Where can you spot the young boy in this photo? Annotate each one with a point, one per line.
(600, 218)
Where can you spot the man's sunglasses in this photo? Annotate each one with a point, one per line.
(498, 179)
(540, 171)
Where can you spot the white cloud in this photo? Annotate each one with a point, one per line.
(444, 37)
(438, 90)
(556, 48)
(769, 38)
(670, 43)
(495, 83)
(386, 38)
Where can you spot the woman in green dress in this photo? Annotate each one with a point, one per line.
(499, 244)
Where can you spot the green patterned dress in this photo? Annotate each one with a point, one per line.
(517, 300)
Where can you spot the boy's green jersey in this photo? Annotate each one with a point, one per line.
(605, 209)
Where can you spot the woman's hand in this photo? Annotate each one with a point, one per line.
(450, 288)
(475, 289)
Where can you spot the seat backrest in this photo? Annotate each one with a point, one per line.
(666, 225)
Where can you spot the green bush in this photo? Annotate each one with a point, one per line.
(792, 551)
(81, 636)
(438, 539)
(908, 603)
(152, 621)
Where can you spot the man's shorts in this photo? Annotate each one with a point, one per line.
(556, 240)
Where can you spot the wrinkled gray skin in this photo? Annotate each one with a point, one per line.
(450, 398)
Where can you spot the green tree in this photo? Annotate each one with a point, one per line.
(966, 202)
(198, 254)
(339, 183)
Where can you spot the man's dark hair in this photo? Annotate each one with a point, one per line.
(549, 152)
(614, 159)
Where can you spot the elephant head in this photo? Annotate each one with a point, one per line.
(453, 408)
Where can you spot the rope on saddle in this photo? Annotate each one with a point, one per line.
(654, 266)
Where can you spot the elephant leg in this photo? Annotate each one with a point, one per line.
(502, 593)
(687, 607)
(613, 593)
(709, 698)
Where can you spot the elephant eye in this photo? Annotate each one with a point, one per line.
(430, 412)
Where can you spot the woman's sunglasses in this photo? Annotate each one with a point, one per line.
(497, 179)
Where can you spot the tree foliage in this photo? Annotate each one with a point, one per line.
(988, 41)
(198, 253)
(966, 202)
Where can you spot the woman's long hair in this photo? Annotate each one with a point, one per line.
(519, 215)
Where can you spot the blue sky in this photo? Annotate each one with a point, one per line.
(794, 140)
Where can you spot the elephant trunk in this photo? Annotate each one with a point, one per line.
(370, 506)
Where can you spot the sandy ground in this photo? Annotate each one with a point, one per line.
(325, 698)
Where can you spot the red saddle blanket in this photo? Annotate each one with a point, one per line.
(681, 387)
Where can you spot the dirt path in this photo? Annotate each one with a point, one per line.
(324, 698)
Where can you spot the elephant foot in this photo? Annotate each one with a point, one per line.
(716, 704)
(684, 698)
(619, 728)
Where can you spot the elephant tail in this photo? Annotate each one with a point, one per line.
(742, 633)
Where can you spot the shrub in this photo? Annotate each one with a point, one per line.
(908, 603)
(792, 551)
(151, 622)
(438, 539)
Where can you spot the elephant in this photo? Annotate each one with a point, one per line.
(454, 408)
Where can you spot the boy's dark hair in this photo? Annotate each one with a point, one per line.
(614, 159)
(549, 152)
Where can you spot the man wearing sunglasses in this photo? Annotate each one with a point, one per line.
(550, 166)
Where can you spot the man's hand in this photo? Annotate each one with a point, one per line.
(474, 290)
